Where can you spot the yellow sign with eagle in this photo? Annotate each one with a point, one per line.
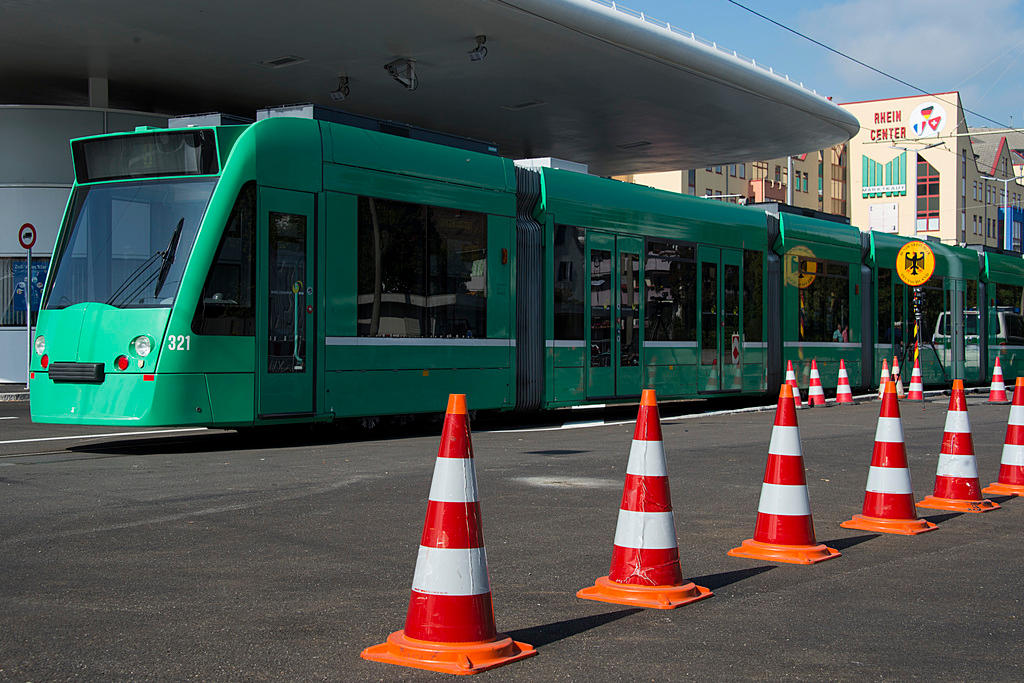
(915, 263)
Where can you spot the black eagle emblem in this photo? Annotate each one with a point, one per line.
(914, 262)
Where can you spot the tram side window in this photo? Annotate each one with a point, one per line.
(1006, 324)
(226, 305)
(884, 306)
(570, 282)
(933, 303)
(824, 301)
(422, 271)
(671, 274)
(753, 287)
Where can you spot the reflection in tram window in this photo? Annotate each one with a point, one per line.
(884, 306)
(824, 291)
(671, 277)
(422, 271)
(600, 308)
(286, 324)
(731, 303)
(753, 286)
(569, 294)
(709, 313)
(629, 303)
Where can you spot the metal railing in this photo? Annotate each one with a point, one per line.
(642, 16)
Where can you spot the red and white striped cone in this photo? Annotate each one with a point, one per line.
(645, 568)
(784, 531)
(883, 379)
(956, 478)
(450, 623)
(1011, 466)
(791, 381)
(888, 496)
(916, 392)
(997, 391)
(815, 392)
(897, 377)
(844, 394)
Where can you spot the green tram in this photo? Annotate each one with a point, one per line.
(300, 269)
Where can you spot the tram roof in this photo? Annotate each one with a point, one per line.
(582, 80)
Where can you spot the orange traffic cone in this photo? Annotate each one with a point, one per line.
(997, 391)
(450, 623)
(791, 381)
(645, 568)
(956, 478)
(916, 392)
(712, 383)
(883, 379)
(844, 394)
(815, 393)
(1011, 466)
(896, 377)
(888, 496)
(784, 531)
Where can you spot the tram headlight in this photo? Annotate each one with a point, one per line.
(40, 345)
(142, 345)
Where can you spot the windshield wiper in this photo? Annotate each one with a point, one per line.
(172, 248)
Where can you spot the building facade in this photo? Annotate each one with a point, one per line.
(917, 170)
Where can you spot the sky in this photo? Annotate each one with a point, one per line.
(975, 47)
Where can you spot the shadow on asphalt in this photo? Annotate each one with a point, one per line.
(1000, 499)
(944, 517)
(391, 427)
(722, 579)
(849, 542)
(539, 636)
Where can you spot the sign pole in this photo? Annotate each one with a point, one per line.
(28, 314)
(27, 238)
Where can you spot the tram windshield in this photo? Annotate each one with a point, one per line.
(126, 244)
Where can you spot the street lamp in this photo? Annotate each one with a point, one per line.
(1006, 203)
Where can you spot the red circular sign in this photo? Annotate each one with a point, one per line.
(27, 235)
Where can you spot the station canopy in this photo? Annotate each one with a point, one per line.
(581, 80)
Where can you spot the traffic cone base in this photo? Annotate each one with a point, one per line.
(793, 554)
(657, 597)
(449, 658)
(907, 527)
(936, 503)
(1001, 489)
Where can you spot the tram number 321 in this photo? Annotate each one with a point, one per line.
(179, 342)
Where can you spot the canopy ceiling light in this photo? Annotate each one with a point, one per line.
(341, 92)
(478, 53)
(403, 70)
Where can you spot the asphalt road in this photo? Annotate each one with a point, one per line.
(201, 555)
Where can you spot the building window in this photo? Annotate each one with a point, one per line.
(927, 196)
(732, 170)
(778, 173)
(422, 271)
(975, 190)
(718, 170)
(12, 288)
(743, 170)
(806, 186)
(691, 181)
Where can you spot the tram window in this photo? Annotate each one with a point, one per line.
(753, 283)
(884, 306)
(570, 281)
(671, 276)
(934, 303)
(422, 271)
(824, 301)
(226, 306)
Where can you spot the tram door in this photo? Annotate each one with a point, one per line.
(284, 323)
(614, 330)
(719, 320)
